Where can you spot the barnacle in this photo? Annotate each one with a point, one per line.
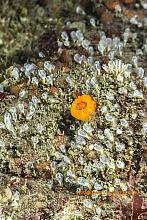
(83, 108)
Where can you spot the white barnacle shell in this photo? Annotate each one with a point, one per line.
(119, 146)
(78, 34)
(20, 107)
(109, 117)
(124, 122)
(88, 83)
(87, 127)
(145, 82)
(66, 43)
(42, 75)
(8, 122)
(118, 131)
(80, 10)
(1, 87)
(2, 143)
(97, 66)
(98, 186)
(35, 101)
(144, 128)
(140, 72)
(132, 85)
(35, 140)
(126, 35)
(122, 90)
(83, 133)
(92, 22)
(98, 211)
(31, 111)
(128, 71)
(69, 80)
(85, 43)
(144, 4)
(80, 140)
(70, 174)
(120, 164)
(59, 177)
(22, 93)
(91, 50)
(64, 35)
(41, 55)
(78, 58)
(120, 78)
(35, 81)
(74, 36)
(50, 79)
(102, 45)
(116, 42)
(83, 181)
(90, 60)
(104, 159)
(108, 134)
(97, 147)
(66, 159)
(15, 73)
(88, 203)
(104, 109)
(135, 61)
(111, 165)
(123, 187)
(110, 96)
(13, 110)
(29, 68)
(111, 55)
(137, 94)
(23, 128)
(49, 66)
(94, 81)
(44, 95)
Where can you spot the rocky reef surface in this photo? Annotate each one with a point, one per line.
(54, 165)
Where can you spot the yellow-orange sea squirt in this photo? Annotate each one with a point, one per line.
(83, 107)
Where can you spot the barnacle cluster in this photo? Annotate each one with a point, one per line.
(39, 137)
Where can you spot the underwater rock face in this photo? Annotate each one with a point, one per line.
(48, 42)
(51, 156)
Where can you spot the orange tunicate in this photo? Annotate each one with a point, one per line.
(83, 107)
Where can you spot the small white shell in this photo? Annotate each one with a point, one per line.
(50, 79)
(2, 143)
(8, 122)
(12, 110)
(42, 74)
(49, 66)
(23, 128)
(120, 164)
(15, 73)
(35, 81)
(108, 134)
(20, 107)
(78, 58)
(1, 87)
(87, 128)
